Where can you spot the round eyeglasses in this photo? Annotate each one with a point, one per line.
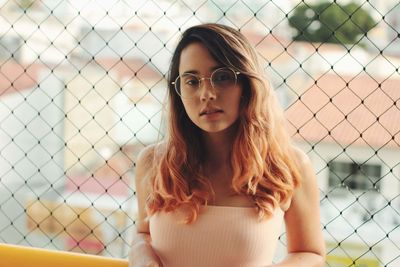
(187, 85)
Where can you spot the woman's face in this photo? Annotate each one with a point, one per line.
(211, 109)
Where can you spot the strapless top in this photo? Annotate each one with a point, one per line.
(221, 236)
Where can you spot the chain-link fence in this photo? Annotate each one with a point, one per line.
(82, 85)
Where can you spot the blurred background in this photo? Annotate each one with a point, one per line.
(82, 87)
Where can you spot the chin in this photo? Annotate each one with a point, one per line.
(213, 130)
(217, 128)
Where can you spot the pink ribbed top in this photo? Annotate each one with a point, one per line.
(221, 236)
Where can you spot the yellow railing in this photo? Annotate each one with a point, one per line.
(19, 256)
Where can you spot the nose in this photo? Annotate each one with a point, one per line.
(207, 91)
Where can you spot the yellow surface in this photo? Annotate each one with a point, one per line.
(338, 261)
(19, 256)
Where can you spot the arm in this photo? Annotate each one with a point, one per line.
(142, 254)
(305, 242)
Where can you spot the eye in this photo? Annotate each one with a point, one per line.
(223, 76)
(190, 81)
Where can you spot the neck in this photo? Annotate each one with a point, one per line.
(218, 147)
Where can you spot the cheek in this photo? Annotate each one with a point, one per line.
(190, 108)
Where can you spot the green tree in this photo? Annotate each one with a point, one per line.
(330, 22)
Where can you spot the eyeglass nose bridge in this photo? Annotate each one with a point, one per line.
(206, 78)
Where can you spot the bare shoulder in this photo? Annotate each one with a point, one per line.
(307, 176)
(145, 170)
(302, 160)
(305, 167)
(308, 179)
(146, 162)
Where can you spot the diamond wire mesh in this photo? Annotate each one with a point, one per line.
(81, 92)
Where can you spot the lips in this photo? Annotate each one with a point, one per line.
(208, 111)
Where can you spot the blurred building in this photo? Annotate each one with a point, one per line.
(31, 143)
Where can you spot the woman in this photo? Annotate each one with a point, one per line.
(216, 191)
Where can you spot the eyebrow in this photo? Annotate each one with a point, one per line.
(197, 72)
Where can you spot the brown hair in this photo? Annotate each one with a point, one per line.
(262, 156)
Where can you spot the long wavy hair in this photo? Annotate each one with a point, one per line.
(262, 158)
